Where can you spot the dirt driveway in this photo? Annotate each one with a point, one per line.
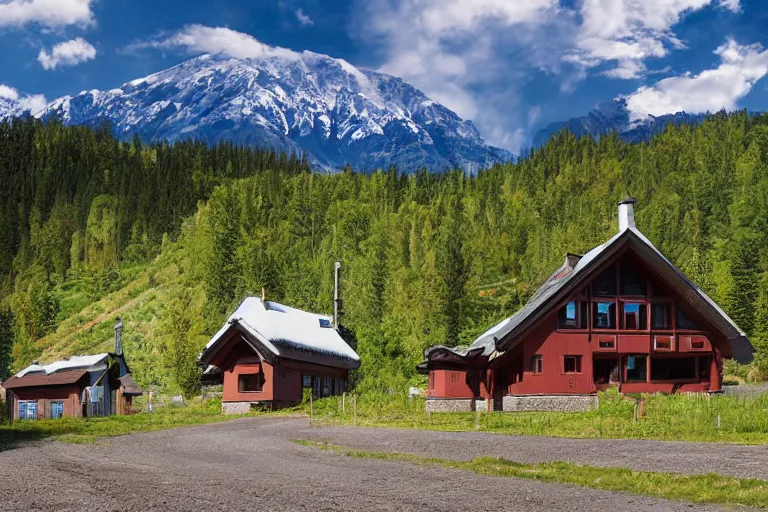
(252, 464)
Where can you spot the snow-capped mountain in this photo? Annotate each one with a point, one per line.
(615, 117)
(325, 107)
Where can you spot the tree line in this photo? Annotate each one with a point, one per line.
(428, 258)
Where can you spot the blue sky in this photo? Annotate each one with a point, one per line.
(512, 66)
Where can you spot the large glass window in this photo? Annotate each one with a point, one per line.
(634, 317)
(673, 368)
(605, 284)
(605, 371)
(536, 364)
(604, 315)
(661, 316)
(637, 369)
(631, 282)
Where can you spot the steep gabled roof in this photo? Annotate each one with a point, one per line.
(576, 271)
(285, 332)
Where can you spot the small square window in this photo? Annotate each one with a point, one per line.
(249, 382)
(536, 364)
(662, 343)
(571, 364)
(306, 381)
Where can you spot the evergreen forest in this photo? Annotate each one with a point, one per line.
(172, 237)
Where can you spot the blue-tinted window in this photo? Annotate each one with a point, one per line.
(57, 410)
(635, 317)
(605, 315)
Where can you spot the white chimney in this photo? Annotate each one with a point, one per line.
(627, 214)
(119, 337)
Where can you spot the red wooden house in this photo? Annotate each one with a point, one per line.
(267, 353)
(620, 315)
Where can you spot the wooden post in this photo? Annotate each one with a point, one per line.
(354, 407)
(311, 405)
(343, 402)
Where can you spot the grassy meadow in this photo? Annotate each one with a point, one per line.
(742, 420)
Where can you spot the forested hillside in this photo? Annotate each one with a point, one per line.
(172, 238)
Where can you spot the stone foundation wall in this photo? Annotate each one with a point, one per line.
(554, 403)
(235, 407)
(450, 405)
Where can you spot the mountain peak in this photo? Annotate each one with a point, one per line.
(303, 102)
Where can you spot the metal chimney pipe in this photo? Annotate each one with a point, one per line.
(119, 337)
(336, 298)
(627, 214)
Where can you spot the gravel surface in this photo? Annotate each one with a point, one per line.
(252, 464)
(665, 456)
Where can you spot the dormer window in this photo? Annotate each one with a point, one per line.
(325, 323)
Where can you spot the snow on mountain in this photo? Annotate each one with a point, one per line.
(615, 117)
(306, 102)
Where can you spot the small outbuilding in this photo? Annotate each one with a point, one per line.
(267, 353)
(81, 386)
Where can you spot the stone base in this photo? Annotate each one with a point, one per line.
(235, 407)
(450, 405)
(554, 403)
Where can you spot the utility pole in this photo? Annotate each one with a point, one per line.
(336, 298)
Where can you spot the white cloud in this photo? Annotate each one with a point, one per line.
(304, 19)
(48, 13)
(198, 39)
(451, 48)
(32, 102)
(68, 53)
(709, 91)
(628, 32)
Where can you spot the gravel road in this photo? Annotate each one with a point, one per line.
(252, 464)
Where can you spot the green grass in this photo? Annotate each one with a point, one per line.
(675, 417)
(710, 488)
(89, 430)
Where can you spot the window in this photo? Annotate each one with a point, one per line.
(306, 381)
(631, 283)
(571, 364)
(28, 409)
(57, 410)
(536, 364)
(662, 343)
(605, 315)
(316, 387)
(661, 316)
(637, 370)
(325, 323)
(326, 386)
(683, 321)
(573, 316)
(697, 343)
(606, 342)
(604, 285)
(606, 371)
(249, 383)
(673, 368)
(635, 317)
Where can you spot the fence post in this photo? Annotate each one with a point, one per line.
(354, 406)
(343, 402)
(311, 406)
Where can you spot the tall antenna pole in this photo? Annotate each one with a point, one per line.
(336, 299)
